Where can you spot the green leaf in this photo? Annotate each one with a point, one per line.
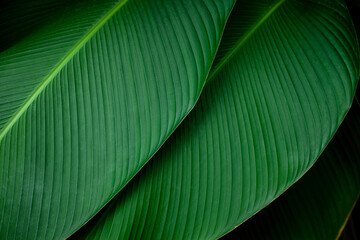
(317, 206)
(351, 231)
(276, 95)
(44, 36)
(88, 96)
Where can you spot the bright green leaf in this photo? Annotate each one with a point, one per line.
(88, 96)
(276, 96)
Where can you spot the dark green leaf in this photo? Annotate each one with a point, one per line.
(317, 206)
(351, 231)
(276, 95)
(88, 96)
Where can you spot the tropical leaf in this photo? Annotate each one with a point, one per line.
(43, 36)
(275, 97)
(88, 97)
(351, 231)
(317, 206)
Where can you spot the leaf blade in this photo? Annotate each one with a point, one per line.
(317, 206)
(258, 127)
(58, 67)
(104, 114)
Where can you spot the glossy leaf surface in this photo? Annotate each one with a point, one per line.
(318, 205)
(276, 95)
(88, 97)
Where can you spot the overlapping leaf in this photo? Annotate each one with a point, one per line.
(318, 205)
(88, 96)
(351, 231)
(277, 94)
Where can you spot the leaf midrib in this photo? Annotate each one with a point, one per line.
(243, 40)
(59, 66)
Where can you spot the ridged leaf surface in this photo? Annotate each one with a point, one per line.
(88, 97)
(276, 95)
(317, 206)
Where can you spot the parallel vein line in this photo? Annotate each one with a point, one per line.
(59, 66)
(243, 40)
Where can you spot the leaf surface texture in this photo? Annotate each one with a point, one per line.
(282, 89)
(88, 97)
(317, 206)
